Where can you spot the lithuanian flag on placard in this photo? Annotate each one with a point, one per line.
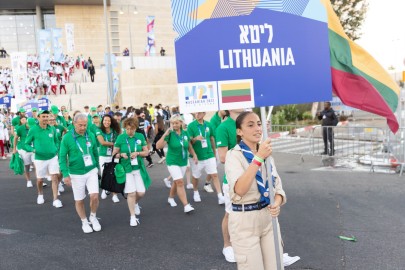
(236, 92)
(357, 78)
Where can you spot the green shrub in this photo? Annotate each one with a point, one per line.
(307, 116)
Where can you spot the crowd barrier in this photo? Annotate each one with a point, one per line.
(372, 146)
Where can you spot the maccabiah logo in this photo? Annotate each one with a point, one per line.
(199, 93)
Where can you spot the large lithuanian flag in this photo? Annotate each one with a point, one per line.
(357, 79)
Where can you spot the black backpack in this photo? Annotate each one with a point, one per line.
(108, 180)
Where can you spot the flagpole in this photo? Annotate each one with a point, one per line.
(271, 191)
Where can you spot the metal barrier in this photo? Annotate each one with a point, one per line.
(372, 146)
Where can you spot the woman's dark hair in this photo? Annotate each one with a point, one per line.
(239, 121)
(114, 124)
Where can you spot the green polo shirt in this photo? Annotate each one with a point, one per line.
(195, 129)
(71, 157)
(108, 137)
(36, 120)
(136, 143)
(177, 154)
(45, 142)
(22, 132)
(226, 136)
(59, 131)
(60, 121)
(215, 121)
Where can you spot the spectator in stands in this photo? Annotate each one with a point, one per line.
(125, 52)
(91, 71)
(3, 53)
(162, 51)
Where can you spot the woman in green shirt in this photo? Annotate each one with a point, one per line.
(177, 156)
(106, 136)
(67, 118)
(130, 147)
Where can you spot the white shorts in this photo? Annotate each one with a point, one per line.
(80, 182)
(228, 203)
(209, 165)
(177, 172)
(45, 167)
(134, 182)
(101, 161)
(27, 157)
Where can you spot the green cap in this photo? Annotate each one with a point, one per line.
(93, 109)
(43, 111)
(31, 122)
(21, 110)
(54, 109)
(15, 121)
(34, 109)
(120, 175)
(95, 116)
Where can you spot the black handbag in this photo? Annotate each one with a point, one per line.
(109, 180)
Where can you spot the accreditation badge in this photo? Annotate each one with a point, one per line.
(204, 143)
(87, 160)
(134, 161)
(109, 151)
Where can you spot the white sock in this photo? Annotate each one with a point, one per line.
(84, 220)
(92, 214)
(196, 192)
(220, 195)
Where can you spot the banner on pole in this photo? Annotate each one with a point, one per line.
(44, 48)
(150, 30)
(70, 40)
(265, 54)
(58, 55)
(19, 67)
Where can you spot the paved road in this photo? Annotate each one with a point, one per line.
(321, 206)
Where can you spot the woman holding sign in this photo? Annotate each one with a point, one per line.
(177, 156)
(250, 222)
(131, 147)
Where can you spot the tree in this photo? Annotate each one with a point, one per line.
(351, 14)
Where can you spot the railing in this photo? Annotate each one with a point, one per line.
(372, 146)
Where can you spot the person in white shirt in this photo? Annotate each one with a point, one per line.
(62, 84)
(54, 84)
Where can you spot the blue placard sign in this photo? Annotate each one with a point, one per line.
(230, 54)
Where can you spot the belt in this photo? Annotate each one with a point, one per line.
(249, 207)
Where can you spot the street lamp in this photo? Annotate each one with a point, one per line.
(135, 11)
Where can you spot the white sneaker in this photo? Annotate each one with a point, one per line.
(134, 221)
(189, 186)
(31, 168)
(115, 199)
(94, 222)
(29, 183)
(167, 183)
(221, 199)
(61, 188)
(197, 197)
(57, 203)
(137, 210)
(229, 255)
(208, 188)
(49, 178)
(103, 195)
(188, 208)
(86, 227)
(287, 260)
(4, 157)
(161, 160)
(40, 199)
(172, 202)
(44, 184)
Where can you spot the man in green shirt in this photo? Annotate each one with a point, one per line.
(93, 111)
(45, 146)
(60, 121)
(79, 165)
(34, 112)
(19, 146)
(203, 143)
(226, 139)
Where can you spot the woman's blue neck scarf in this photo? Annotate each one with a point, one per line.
(263, 187)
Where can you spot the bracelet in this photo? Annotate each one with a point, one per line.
(258, 159)
(256, 162)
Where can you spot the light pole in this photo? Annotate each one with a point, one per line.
(110, 94)
(130, 33)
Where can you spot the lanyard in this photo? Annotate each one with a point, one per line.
(78, 145)
(129, 147)
(205, 129)
(181, 140)
(111, 137)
